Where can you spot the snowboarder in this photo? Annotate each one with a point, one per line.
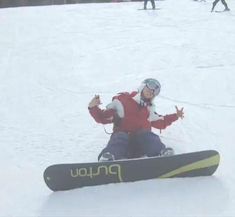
(223, 2)
(133, 115)
(152, 2)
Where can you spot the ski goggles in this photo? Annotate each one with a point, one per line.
(153, 85)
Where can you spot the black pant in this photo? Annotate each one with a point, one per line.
(152, 2)
(139, 144)
(223, 2)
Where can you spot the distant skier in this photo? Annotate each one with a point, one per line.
(133, 115)
(152, 2)
(223, 2)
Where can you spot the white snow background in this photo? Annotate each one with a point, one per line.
(54, 59)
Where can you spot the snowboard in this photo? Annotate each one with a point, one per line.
(142, 9)
(62, 177)
(222, 11)
(219, 11)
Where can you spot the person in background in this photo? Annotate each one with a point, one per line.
(152, 2)
(133, 115)
(223, 2)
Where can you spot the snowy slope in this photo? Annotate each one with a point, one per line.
(54, 59)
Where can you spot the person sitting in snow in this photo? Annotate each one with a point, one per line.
(223, 2)
(133, 115)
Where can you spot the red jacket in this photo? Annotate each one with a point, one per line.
(129, 116)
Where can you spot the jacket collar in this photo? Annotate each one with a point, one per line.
(137, 97)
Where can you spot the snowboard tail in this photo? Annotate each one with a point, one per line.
(207, 166)
(69, 176)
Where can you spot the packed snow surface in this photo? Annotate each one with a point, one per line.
(54, 59)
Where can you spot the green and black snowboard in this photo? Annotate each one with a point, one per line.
(61, 177)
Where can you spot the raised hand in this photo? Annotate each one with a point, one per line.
(180, 112)
(95, 101)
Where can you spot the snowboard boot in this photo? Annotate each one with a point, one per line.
(107, 156)
(167, 152)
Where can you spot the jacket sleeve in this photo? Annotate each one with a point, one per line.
(166, 121)
(102, 116)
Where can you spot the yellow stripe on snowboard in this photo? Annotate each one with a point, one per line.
(212, 161)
